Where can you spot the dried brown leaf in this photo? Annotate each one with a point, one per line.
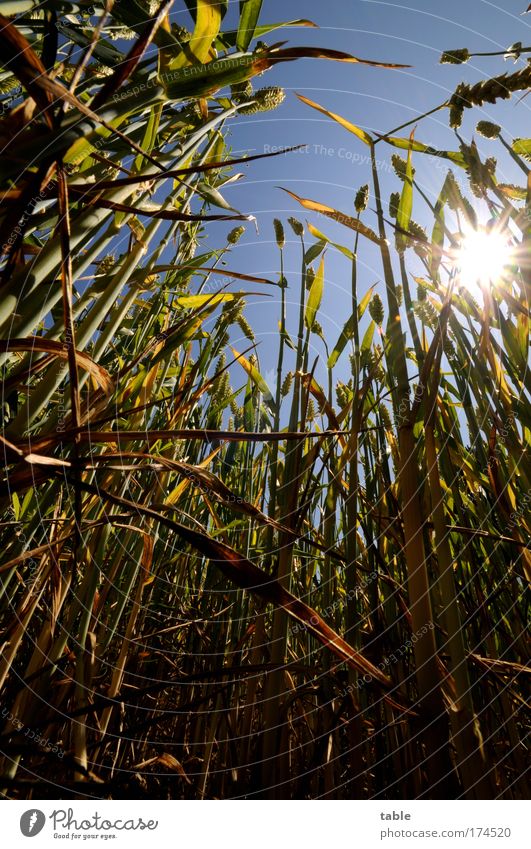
(58, 349)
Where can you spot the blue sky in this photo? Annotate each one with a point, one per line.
(334, 166)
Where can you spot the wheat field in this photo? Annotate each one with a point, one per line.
(214, 585)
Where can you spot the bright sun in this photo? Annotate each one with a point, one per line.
(482, 257)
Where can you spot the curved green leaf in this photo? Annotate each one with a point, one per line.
(315, 296)
(249, 14)
(405, 207)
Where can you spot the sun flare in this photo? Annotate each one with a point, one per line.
(482, 257)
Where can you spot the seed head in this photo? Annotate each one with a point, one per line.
(98, 69)
(235, 235)
(421, 239)
(385, 417)
(8, 84)
(362, 199)
(245, 327)
(426, 313)
(181, 33)
(400, 166)
(342, 394)
(455, 57)
(152, 7)
(456, 115)
(106, 264)
(487, 91)
(296, 226)
(514, 52)
(376, 310)
(511, 190)
(264, 100)
(374, 362)
(241, 91)
(521, 147)
(279, 233)
(394, 202)
(488, 130)
(123, 33)
(286, 385)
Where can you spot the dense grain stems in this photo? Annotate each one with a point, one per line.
(351, 506)
(278, 399)
(475, 776)
(140, 575)
(67, 291)
(352, 606)
(168, 668)
(275, 762)
(102, 308)
(274, 680)
(41, 396)
(31, 279)
(28, 279)
(525, 266)
(351, 541)
(328, 577)
(427, 672)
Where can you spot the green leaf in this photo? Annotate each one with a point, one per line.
(181, 335)
(193, 301)
(249, 14)
(513, 192)
(213, 197)
(249, 407)
(405, 207)
(256, 378)
(364, 303)
(102, 49)
(207, 24)
(26, 503)
(318, 235)
(150, 135)
(228, 39)
(286, 337)
(516, 338)
(314, 251)
(315, 296)
(352, 128)
(404, 144)
(207, 78)
(522, 147)
(368, 337)
(348, 329)
(16, 506)
(344, 336)
(437, 236)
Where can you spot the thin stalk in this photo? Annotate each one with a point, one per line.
(434, 721)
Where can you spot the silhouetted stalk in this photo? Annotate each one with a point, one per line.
(433, 719)
(276, 762)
